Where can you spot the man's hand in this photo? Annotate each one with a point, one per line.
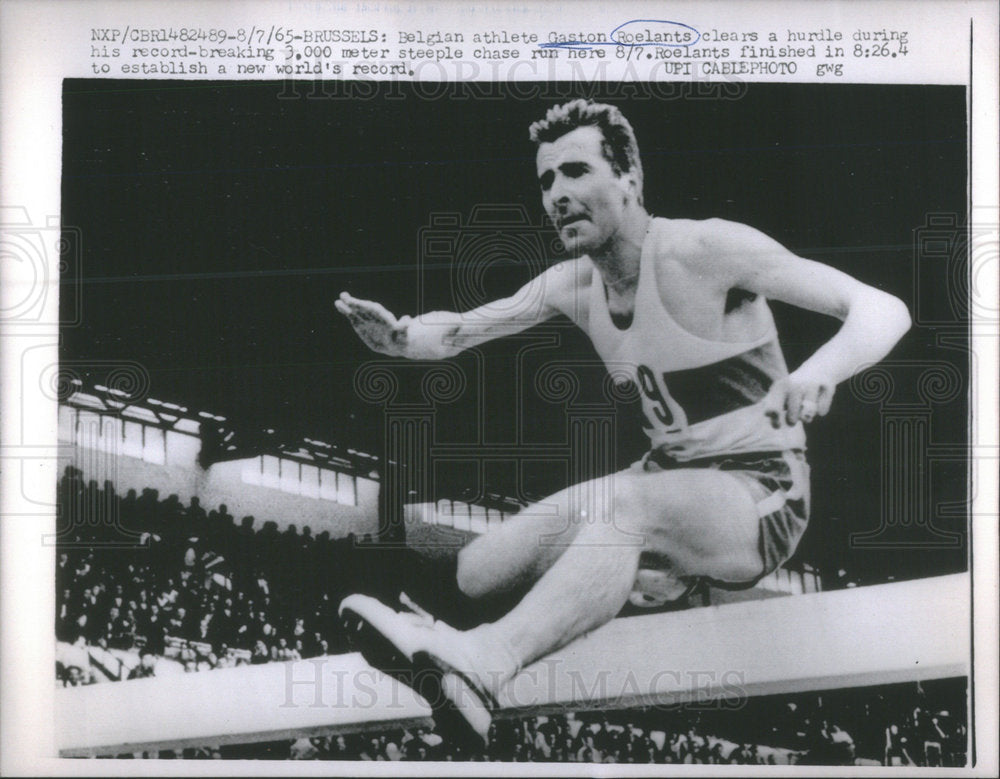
(797, 397)
(376, 326)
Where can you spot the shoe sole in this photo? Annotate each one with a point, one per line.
(377, 650)
(422, 674)
(447, 714)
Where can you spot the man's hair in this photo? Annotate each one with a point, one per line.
(618, 144)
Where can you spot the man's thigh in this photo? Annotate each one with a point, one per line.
(532, 540)
(698, 521)
(526, 545)
(521, 549)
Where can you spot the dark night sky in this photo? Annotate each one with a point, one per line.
(219, 222)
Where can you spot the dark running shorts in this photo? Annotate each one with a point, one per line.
(779, 484)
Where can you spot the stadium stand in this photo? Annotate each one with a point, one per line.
(195, 590)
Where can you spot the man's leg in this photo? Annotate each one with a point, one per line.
(698, 521)
(703, 522)
(520, 550)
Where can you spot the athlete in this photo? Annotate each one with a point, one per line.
(680, 308)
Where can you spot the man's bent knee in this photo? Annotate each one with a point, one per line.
(622, 519)
(482, 572)
(470, 576)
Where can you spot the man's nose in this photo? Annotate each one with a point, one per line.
(558, 195)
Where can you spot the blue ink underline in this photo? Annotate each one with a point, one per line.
(586, 45)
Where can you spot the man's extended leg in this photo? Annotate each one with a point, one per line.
(699, 521)
(520, 550)
(704, 522)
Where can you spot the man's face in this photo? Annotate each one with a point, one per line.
(581, 193)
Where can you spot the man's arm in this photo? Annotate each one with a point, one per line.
(873, 321)
(438, 335)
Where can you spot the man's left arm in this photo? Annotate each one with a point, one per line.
(873, 321)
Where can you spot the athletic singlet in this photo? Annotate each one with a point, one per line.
(700, 397)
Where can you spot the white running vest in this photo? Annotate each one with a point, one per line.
(700, 398)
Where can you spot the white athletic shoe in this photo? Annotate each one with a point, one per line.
(395, 632)
(466, 702)
(428, 655)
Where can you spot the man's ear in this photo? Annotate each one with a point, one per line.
(629, 184)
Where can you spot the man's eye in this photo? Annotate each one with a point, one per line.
(546, 180)
(574, 170)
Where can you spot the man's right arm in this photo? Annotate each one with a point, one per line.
(438, 335)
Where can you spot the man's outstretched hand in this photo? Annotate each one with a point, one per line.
(375, 325)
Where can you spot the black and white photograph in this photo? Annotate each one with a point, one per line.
(560, 422)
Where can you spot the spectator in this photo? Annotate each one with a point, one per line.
(146, 666)
(841, 746)
(896, 753)
(742, 755)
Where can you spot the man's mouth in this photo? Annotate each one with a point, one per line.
(566, 221)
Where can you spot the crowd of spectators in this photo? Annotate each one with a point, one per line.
(925, 736)
(800, 734)
(563, 739)
(859, 727)
(867, 726)
(560, 739)
(156, 578)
